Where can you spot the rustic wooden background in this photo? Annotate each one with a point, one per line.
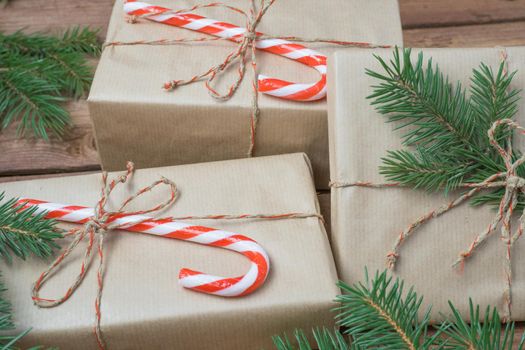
(426, 23)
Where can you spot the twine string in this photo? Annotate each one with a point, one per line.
(103, 220)
(509, 180)
(95, 229)
(245, 44)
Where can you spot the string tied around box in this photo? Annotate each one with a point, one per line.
(248, 39)
(96, 222)
(509, 180)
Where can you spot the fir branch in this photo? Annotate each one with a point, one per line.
(482, 333)
(82, 40)
(324, 339)
(424, 98)
(422, 169)
(448, 128)
(7, 342)
(23, 232)
(32, 101)
(379, 313)
(38, 72)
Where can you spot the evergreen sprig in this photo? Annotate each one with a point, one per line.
(7, 342)
(38, 72)
(23, 232)
(446, 126)
(379, 314)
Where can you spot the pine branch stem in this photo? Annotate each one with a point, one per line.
(392, 323)
(26, 98)
(70, 70)
(439, 117)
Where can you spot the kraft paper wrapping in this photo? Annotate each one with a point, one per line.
(143, 306)
(135, 119)
(366, 221)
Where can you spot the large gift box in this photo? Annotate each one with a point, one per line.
(143, 307)
(366, 221)
(135, 119)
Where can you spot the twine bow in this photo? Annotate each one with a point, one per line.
(245, 48)
(513, 184)
(105, 220)
(95, 229)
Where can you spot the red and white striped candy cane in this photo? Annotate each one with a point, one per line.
(267, 85)
(197, 281)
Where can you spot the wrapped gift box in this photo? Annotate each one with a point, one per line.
(143, 306)
(367, 221)
(187, 125)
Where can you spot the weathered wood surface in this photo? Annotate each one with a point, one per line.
(450, 13)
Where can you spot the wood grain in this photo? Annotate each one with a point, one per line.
(447, 13)
(54, 15)
(75, 152)
(487, 35)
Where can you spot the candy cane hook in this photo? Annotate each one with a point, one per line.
(197, 281)
(267, 85)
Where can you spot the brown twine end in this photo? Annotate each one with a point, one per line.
(171, 85)
(391, 260)
(131, 19)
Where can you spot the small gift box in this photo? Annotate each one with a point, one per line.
(143, 306)
(187, 125)
(367, 221)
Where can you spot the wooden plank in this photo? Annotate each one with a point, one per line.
(432, 13)
(76, 152)
(49, 16)
(486, 35)
(16, 178)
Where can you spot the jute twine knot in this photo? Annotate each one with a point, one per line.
(245, 50)
(105, 220)
(95, 229)
(513, 184)
(245, 45)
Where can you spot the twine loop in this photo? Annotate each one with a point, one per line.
(95, 228)
(513, 184)
(244, 51)
(245, 46)
(104, 220)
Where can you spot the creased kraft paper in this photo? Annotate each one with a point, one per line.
(135, 119)
(143, 306)
(366, 221)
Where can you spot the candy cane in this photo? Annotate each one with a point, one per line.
(270, 86)
(197, 281)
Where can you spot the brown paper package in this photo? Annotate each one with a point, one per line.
(143, 306)
(135, 119)
(366, 222)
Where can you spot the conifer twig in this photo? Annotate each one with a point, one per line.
(38, 72)
(377, 314)
(447, 127)
(24, 233)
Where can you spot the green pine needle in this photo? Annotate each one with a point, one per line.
(324, 339)
(38, 73)
(380, 314)
(483, 332)
(32, 101)
(446, 126)
(24, 233)
(7, 342)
